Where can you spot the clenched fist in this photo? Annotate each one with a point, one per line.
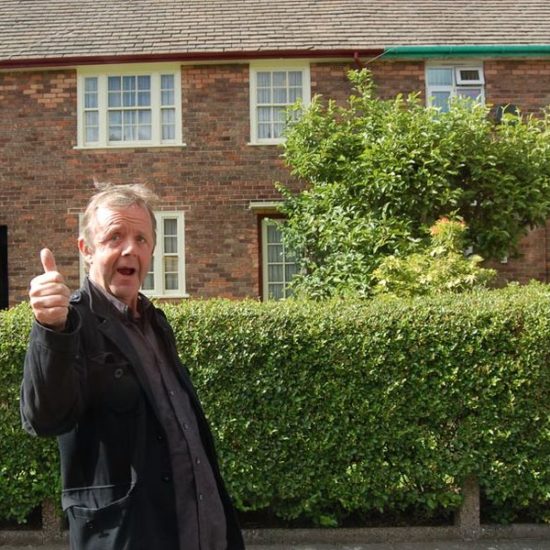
(49, 295)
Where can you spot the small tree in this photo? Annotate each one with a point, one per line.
(441, 268)
(378, 173)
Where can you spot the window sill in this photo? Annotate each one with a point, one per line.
(264, 143)
(166, 296)
(129, 146)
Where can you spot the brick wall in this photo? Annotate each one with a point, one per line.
(45, 181)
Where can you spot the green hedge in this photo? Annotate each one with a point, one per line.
(326, 409)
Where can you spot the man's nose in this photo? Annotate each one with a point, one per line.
(130, 247)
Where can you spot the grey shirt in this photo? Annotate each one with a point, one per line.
(199, 509)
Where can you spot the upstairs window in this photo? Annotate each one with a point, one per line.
(129, 106)
(445, 82)
(273, 88)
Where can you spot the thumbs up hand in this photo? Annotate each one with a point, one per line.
(49, 295)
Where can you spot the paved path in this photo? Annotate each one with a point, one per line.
(517, 544)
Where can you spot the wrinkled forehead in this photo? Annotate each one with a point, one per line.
(135, 218)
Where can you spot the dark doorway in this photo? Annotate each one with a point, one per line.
(4, 299)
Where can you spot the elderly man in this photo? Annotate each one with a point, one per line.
(102, 374)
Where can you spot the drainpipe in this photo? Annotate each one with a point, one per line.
(502, 50)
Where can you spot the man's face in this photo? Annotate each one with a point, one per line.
(121, 251)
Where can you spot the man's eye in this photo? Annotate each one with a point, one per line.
(115, 237)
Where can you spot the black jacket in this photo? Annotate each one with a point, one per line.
(87, 386)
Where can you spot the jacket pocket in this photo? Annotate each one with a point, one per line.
(101, 518)
(114, 383)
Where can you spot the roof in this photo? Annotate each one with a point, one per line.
(73, 29)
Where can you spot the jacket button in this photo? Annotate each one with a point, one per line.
(166, 478)
(159, 437)
(119, 372)
(90, 525)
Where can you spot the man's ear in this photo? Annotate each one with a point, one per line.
(85, 250)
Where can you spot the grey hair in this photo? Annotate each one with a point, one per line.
(118, 197)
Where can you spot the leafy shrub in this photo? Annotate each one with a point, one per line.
(328, 409)
(441, 267)
(378, 172)
(28, 465)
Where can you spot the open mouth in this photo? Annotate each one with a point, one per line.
(126, 271)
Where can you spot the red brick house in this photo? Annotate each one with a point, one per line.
(188, 96)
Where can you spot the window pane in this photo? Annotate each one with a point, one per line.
(115, 133)
(115, 125)
(273, 233)
(144, 133)
(170, 226)
(290, 271)
(129, 125)
(441, 100)
(148, 283)
(279, 79)
(469, 74)
(129, 99)
(92, 135)
(144, 99)
(144, 83)
(90, 84)
(128, 83)
(279, 95)
(472, 93)
(168, 116)
(275, 273)
(278, 130)
(264, 114)
(90, 93)
(279, 114)
(92, 118)
(114, 83)
(167, 81)
(115, 99)
(264, 131)
(170, 245)
(294, 94)
(115, 118)
(168, 124)
(295, 78)
(440, 77)
(264, 95)
(276, 291)
(167, 97)
(90, 101)
(275, 253)
(171, 264)
(264, 79)
(171, 281)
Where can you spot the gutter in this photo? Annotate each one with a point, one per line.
(45, 62)
(443, 51)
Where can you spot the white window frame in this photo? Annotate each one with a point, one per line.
(272, 66)
(265, 222)
(158, 290)
(465, 82)
(102, 73)
(458, 84)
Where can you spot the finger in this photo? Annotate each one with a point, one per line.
(48, 260)
(49, 284)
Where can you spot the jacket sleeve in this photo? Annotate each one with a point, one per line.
(51, 394)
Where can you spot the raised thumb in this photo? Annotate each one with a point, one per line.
(48, 260)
